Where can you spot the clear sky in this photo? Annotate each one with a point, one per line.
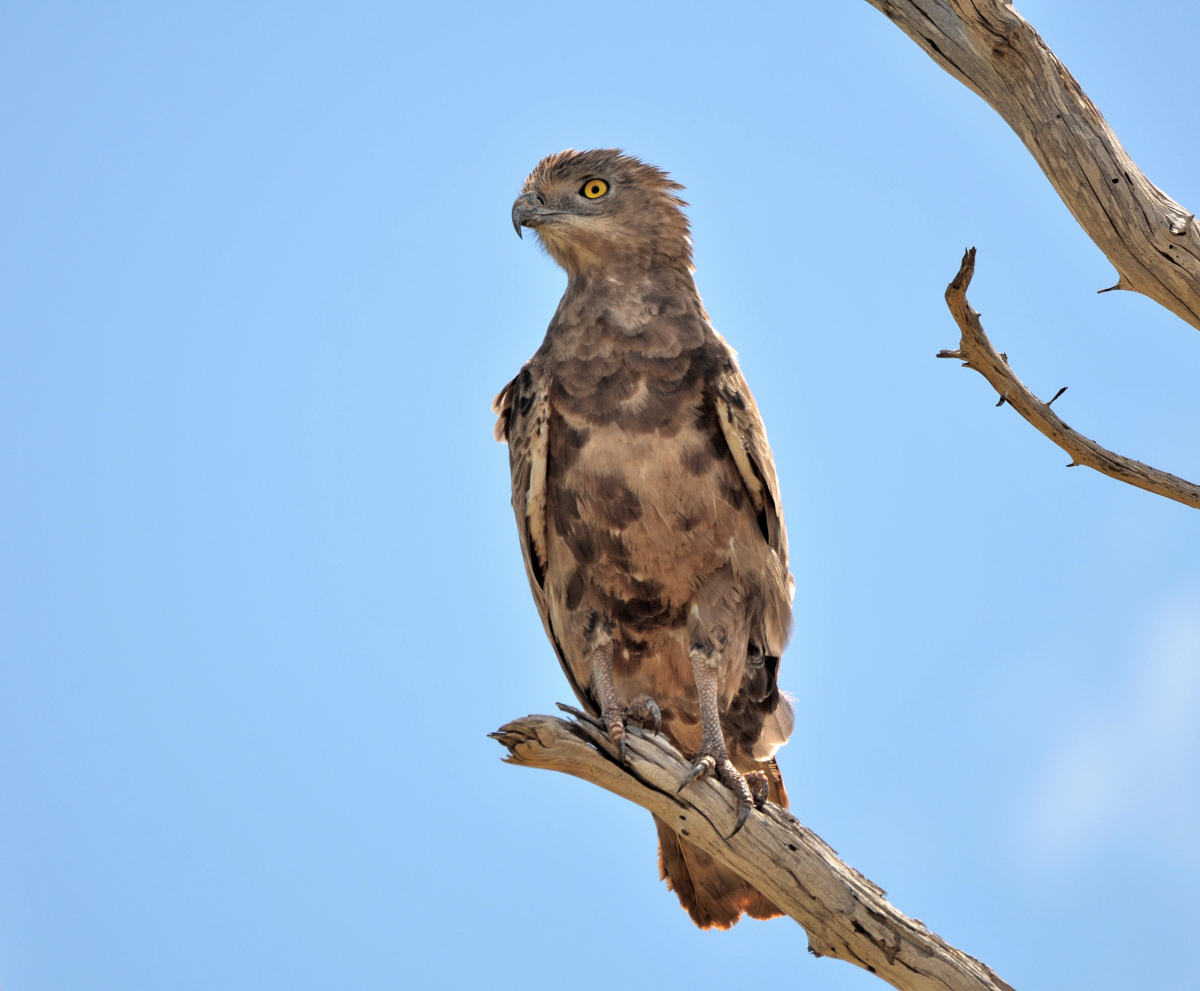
(262, 595)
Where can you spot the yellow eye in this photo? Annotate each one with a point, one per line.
(593, 189)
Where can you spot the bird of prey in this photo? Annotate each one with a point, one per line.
(646, 500)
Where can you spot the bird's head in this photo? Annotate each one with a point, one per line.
(603, 211)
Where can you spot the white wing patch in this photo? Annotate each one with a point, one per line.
(737, 447)
(777, 727)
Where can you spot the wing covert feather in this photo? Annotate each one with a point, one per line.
(747, 439)
(523, 417)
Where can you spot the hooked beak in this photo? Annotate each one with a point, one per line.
(528, 212)
(524, 210)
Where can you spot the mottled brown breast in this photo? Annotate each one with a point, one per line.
(643, 502)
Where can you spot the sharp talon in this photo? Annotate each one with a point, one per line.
(655, 713)
(743, 815)
(703, 767)
(691, 776)
(621, 750)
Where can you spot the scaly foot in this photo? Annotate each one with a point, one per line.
(760, 788)
(707, 764)
(643, 711)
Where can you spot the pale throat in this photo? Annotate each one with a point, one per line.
(613, 260)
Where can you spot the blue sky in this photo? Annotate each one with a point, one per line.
(262, 596)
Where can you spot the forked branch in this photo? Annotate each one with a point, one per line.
(1152, 241)
(845, 915)
(976, 351)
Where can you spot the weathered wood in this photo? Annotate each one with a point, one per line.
(1152, 241)
(975, 351)
(846, 916)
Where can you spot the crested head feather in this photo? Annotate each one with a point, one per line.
(601, 161)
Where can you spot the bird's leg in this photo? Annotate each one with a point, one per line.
(606, 691)
(642, 711)
(713, 757)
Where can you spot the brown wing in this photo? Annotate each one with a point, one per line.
(747, 439)
(523, 415)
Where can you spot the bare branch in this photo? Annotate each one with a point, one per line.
(845, 915)
(976, 351)
(1152, 241)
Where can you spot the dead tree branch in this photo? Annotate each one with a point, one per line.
(845, 915)
(1152, 241)
(976, 351)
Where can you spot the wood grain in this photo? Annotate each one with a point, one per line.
(1152, 241)
(845, 915)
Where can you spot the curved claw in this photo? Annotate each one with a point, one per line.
(621, 750)
(650, 710)
(743, 815)
(700, 769)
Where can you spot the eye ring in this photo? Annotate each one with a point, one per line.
(593, 189)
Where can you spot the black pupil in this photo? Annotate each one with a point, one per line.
(595, 188)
